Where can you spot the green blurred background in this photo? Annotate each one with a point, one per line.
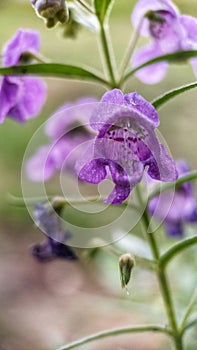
(43, 306)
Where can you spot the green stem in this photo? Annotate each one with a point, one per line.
(107, 54)
(114, 332)
(191, 324)
(86, 6)
(162, 279)
(129, 51)
(192, 303)
(172, 185)
(176, 249)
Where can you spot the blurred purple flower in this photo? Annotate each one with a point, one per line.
(126, 144)
(175, 208)
(169, 31)
(21, 97)
(53, 246)
(67, 129)
(51, 11)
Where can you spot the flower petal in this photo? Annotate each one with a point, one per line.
(41, 166)
(143, 6)
(94, 171)
(122, 187)
(174, 229)
(190, 25)
(25, 40)
(155, 72)
(140, 104)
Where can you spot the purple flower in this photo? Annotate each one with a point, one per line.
(21, 97)
(175, 208)
(52, 247)
(126, 144)
(169, 31)
(67, 129)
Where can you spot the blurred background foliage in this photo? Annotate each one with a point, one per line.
(43, 306)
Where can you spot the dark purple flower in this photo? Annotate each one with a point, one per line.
(126, 144)
(67, 129)
(169, 31)
(175, 208)
(21, 98)
(53, 246)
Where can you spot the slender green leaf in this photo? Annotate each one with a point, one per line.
(176, 249)
(193, 323)
(54, 70)
(190, 308)
(175, 57)
(170, 185)
(101, 7)
(158, 102)
(115, 332)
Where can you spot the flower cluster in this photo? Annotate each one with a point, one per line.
(53, 246)
(21, 97)
(175, 208)
(169, 32)
(125, 146)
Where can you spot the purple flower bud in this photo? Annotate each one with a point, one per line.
(126, 144)
(21, 98)
(169, 31)
(51, 10)
(174, 209)
(52, 248)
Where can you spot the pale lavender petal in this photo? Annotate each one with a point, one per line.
(153, 73)
(70, 116)
(30, 100)
(193, 62)
(190, 25)
(41, 166)
(25, 40)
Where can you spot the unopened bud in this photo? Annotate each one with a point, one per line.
(52, 11)
(126, 264)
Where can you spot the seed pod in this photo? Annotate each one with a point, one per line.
(52, 11)
(126, 264)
